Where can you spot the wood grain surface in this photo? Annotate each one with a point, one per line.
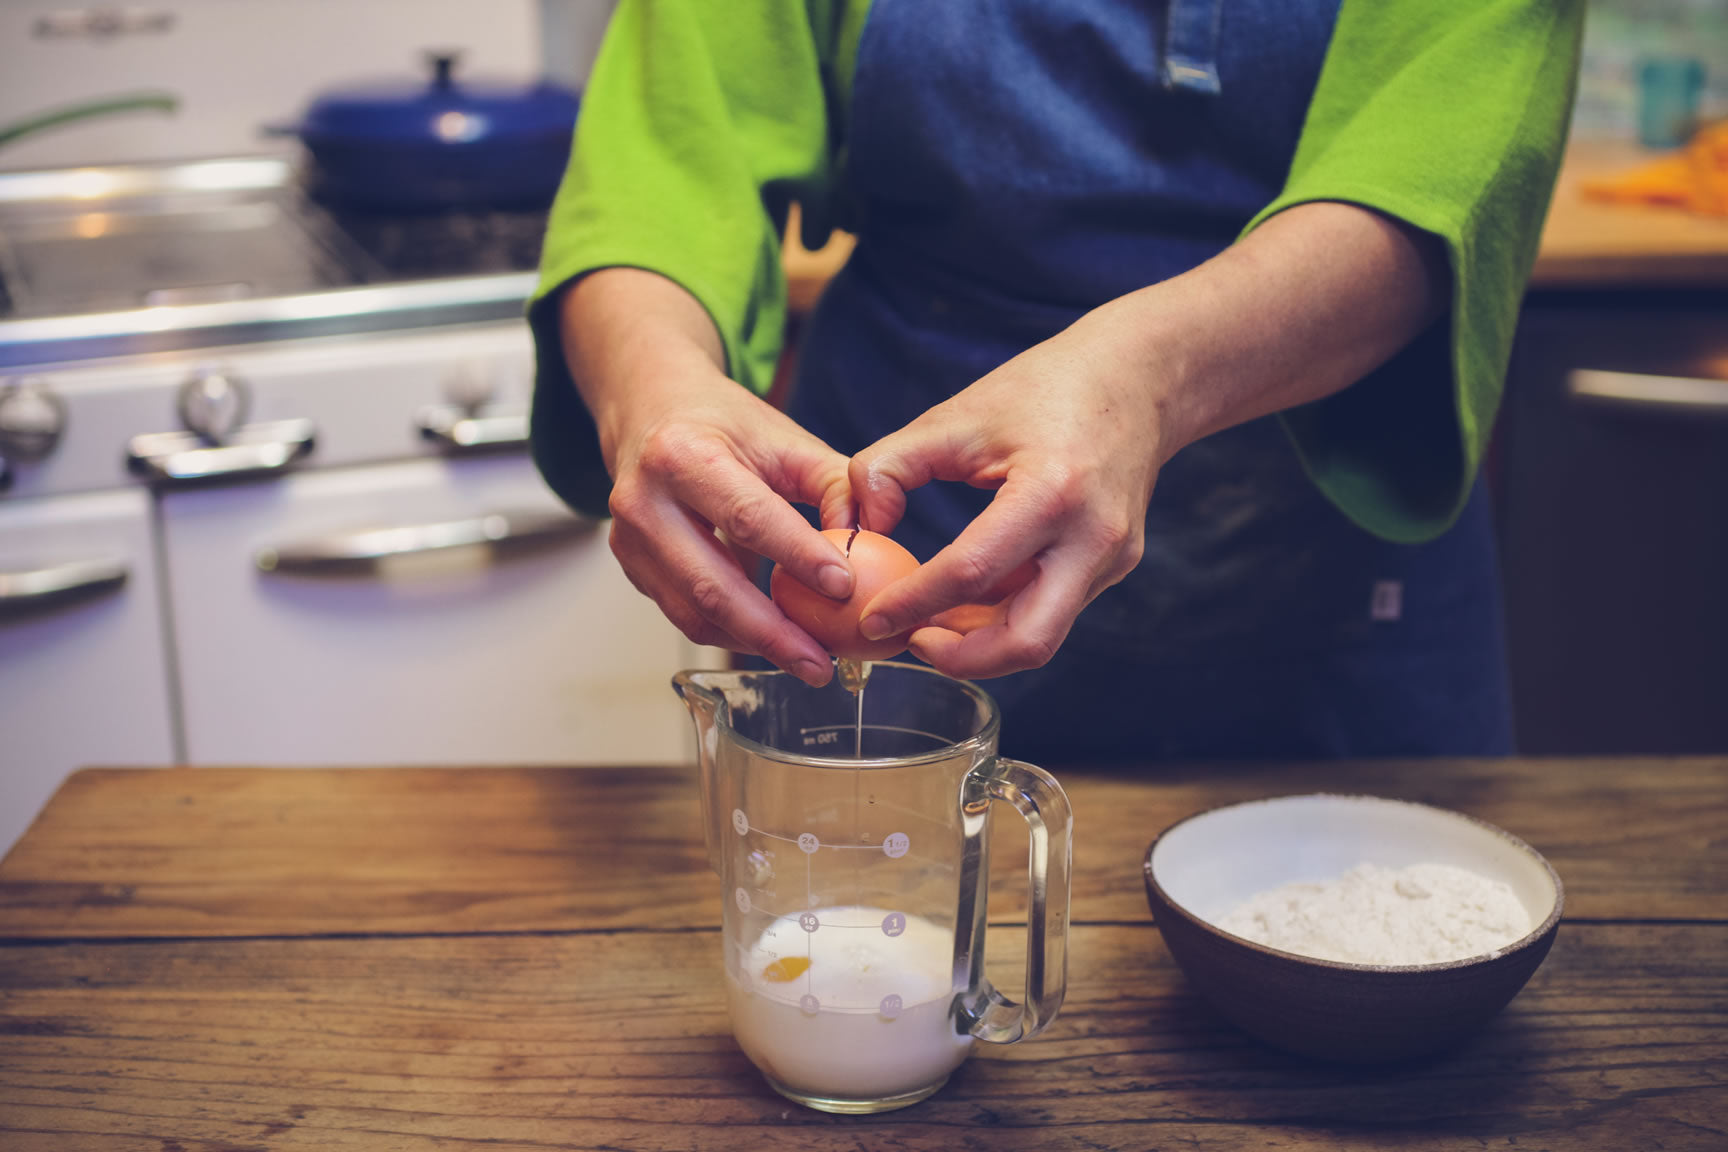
(242, 852)
(620, 1041)
(247, 960)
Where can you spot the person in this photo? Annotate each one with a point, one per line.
(1263, 256)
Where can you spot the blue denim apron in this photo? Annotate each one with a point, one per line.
(1011, 164)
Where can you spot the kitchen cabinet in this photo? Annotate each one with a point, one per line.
(83, 671)
(1613, 514)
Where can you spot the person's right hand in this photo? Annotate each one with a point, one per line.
(700, 468)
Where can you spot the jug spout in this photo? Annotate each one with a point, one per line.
(704, 693)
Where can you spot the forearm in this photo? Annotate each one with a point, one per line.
(634, 340)
(1307, 304)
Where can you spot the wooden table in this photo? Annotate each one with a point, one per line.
(194, 960)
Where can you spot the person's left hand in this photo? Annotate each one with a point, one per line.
(1069, 435)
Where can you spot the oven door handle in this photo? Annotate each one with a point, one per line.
(459, 430)
(347, 550)
(41, 587)
(255, 450)
(1676, 394)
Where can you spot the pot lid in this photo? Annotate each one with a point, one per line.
(444, 109)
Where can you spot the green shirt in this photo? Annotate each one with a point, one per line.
(703, 122)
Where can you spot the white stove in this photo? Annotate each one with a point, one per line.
(300, 526)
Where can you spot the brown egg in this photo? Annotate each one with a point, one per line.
(876, 563)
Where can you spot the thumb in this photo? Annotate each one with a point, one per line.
(883, 473)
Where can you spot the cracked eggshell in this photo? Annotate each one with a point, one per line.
(876, 563)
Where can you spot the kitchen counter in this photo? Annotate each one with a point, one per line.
(1584, 244)
(1589, 244)
(418, 958)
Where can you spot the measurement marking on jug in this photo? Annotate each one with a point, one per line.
(742, 899)
(740, 822)
(831, 733)
(896, 845)
(809, 1005)
(807, 842)
(800, 841)
(892, 1005)
(808, 921)
(893, 924)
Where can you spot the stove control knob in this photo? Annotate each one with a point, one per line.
(470, 387)
(32, 419)
(214, 404)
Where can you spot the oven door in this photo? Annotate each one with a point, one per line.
(83, 675)
(427, 611)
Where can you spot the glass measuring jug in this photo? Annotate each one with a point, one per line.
(855, 886)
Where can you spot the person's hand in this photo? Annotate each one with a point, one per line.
(1068, 435)
(1072, 433)
(702, 471)
(713, 472)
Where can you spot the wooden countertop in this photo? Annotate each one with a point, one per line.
(1590, 244)
(1584, 244)
(201, 959)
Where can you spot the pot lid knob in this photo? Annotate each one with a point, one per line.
(443, 61)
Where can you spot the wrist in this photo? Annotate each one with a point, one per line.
(637, 346)
(1153, 350)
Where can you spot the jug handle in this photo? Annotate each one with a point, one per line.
(1038, 798)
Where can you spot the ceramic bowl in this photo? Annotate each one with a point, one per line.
(1201, 868)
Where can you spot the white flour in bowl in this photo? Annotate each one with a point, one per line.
(1421, 914)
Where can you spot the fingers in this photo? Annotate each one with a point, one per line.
(688, 572)
(664, 535)
(883, 473)
(1036, 553)
(707, 478)
(984, 559)
(1036, 621)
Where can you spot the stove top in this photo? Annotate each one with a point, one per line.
(174, 255)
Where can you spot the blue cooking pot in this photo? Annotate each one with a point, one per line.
(398, 146)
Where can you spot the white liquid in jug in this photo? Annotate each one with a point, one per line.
(849, 1010)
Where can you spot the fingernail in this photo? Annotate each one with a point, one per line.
(875, 627)
(809, 671)
(835, 581)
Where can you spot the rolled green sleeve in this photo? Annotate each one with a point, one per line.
(1450, 117)
(700, 124)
